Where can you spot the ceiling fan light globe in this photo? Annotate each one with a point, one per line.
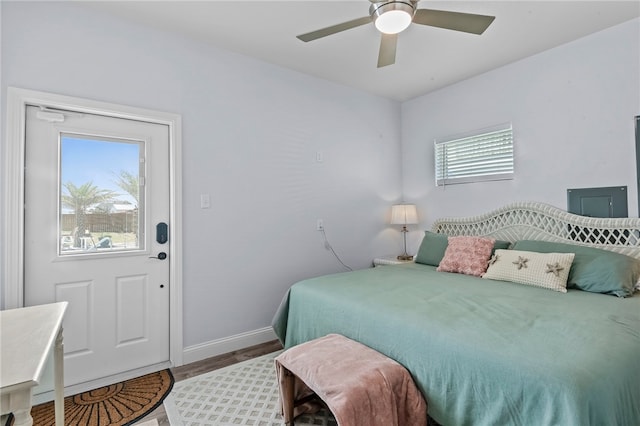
(392, 16)
(393, 21)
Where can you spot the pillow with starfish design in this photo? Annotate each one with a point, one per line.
(546, 270)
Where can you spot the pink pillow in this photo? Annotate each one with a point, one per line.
(467, 255)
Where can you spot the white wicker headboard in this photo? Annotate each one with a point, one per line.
(539, 221)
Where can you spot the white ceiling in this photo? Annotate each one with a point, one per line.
(427, 58)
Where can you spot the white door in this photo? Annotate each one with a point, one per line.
(96, 190)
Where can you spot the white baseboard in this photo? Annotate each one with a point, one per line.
(227, 344)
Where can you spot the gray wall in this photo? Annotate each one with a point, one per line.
(251, 131)
(250, 134)
(572, 110)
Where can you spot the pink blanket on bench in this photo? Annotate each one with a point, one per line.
(359, 385)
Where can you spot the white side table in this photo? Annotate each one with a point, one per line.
(28, 335)
(389, 260)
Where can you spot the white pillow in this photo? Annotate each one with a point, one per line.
(547, 270)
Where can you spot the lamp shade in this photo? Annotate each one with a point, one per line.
(404, 214)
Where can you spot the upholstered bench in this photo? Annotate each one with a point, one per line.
(358, 384)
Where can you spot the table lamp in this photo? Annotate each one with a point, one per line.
(404, 214)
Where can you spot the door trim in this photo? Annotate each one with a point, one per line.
(637, 129)
(13, 195)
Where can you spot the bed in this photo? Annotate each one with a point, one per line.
(491, 351)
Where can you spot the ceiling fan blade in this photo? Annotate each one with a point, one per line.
(313, 35)
(387, 55)
(457, 21)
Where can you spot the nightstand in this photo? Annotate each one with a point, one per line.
(389, 260)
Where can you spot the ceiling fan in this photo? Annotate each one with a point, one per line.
(392, 17)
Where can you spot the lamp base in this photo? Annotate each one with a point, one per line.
(405, 257)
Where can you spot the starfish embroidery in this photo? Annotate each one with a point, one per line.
(555, 269)
(493, 259)
(521, 262)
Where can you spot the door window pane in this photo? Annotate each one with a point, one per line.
(101, 203)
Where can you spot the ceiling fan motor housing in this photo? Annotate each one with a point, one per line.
(392, 17)
(377, 8)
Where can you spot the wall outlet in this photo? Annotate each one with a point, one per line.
(320, 225)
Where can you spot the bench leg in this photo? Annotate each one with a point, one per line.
(287, 385)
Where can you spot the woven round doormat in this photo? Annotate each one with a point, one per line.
(120, 404)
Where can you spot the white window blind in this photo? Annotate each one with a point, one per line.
(483, 156)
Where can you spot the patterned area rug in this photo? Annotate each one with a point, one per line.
(241, 394)
(116, 405)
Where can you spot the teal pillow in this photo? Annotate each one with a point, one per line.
(432, 248)
(434, 245)
(594, 270)
(504, 245)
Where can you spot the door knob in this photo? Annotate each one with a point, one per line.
(162, 256)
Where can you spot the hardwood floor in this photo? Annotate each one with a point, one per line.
(209, 364)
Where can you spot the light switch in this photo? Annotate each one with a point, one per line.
(205, 201)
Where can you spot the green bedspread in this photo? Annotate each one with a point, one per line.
(484, 352)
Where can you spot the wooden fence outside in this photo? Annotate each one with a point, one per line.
(103, 222)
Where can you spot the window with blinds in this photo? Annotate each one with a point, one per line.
(483, 156)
